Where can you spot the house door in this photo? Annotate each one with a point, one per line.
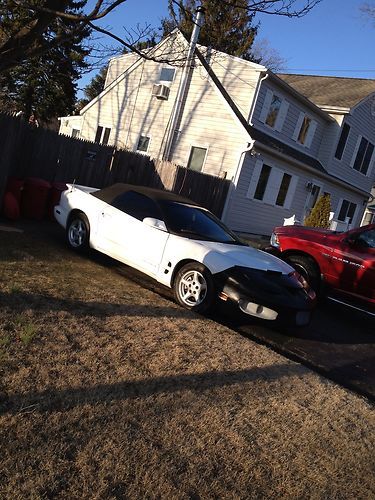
(312, 198)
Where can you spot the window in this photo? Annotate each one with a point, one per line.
(197, 158)
(137, 205)
(272, 185)
(102, 135)
(284, 186)
(273, 110)
(167, 74)
(367, 239)
(143, 143)
(363, 156)
(305, 130)
(302, 136)
(262, 182)
(342, 141)
(347, 210)
(75, 133)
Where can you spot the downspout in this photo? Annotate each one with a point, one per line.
(183, 83)
(250, 145)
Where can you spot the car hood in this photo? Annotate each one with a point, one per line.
(220, 256)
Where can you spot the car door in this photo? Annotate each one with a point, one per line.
(127, 238)
(354, 262)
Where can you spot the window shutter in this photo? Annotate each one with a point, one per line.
(281, 116)
(356, 150)
(311, 133)
(273, 186)
(254, 179)
(371, 164)
(291, 191)
(266, 106)
(298, 126)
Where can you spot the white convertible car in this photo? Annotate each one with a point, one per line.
(184, 247)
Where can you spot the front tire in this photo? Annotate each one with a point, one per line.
(194, 288)
(78, 232)
(307, 268)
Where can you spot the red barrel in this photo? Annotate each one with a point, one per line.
(54, 197)
(11, 207)
(15, 186)
(34, 198)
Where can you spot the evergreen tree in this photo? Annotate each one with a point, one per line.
(319, 215)
(228, 26)
(93, 89)
(45, 85)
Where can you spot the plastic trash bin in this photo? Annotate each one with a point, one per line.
(15, 186)
(34, 198)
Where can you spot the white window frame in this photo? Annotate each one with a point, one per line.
(148, 147)
(78, 135)
(281, 115)
(104, 127)
(273, 185)
(167, 82)
(372, 159)
(197, 145)
(310, 131)
(338, 209)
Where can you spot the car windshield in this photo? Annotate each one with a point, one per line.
(195, 223)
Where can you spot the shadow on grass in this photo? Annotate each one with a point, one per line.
(52, 400)
(21, 301)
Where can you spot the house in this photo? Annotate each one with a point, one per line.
(282, 139)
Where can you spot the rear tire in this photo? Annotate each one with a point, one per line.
(78, 232)
(307, 268)
(194, 287)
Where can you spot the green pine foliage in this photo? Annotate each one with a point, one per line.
(227, 28)
(319, 215)
(45, 86)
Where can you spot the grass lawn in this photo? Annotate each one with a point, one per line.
(109, 390)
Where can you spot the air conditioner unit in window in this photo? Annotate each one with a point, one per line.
(160, 91)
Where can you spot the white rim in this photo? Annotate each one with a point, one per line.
(77, 233)
(192, 288)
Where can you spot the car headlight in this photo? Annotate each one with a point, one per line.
(275, 240)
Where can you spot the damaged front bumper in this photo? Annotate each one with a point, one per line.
(267, 295)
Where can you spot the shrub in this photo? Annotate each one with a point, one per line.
(319, 215)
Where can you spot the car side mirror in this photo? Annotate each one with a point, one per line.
(156, 223)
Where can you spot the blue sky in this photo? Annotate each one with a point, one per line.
(334, 39)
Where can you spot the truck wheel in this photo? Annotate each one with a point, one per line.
(307, 268)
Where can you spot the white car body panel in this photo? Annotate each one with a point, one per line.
(151, 250)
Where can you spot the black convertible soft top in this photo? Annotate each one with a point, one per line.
(108, 194)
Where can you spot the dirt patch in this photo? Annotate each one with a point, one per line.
(109, 390)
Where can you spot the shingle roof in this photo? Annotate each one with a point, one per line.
(330, 90)
(281, 147)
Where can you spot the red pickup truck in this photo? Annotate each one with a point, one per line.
(341, 264)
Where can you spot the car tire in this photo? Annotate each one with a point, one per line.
(194, 287)
(307, 268)
(78, 232)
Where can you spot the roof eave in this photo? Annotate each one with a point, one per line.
(323, 114)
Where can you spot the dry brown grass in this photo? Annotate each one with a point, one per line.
(109, 390)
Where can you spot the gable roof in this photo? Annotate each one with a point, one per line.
(332, 91)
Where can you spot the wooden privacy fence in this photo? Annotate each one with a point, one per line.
(38, 152)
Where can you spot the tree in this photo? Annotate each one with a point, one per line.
(44, 85)
(227, 28)
(30, 28)
(93, 89)
(319, 216)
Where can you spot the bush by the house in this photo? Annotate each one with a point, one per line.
(319, 215)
